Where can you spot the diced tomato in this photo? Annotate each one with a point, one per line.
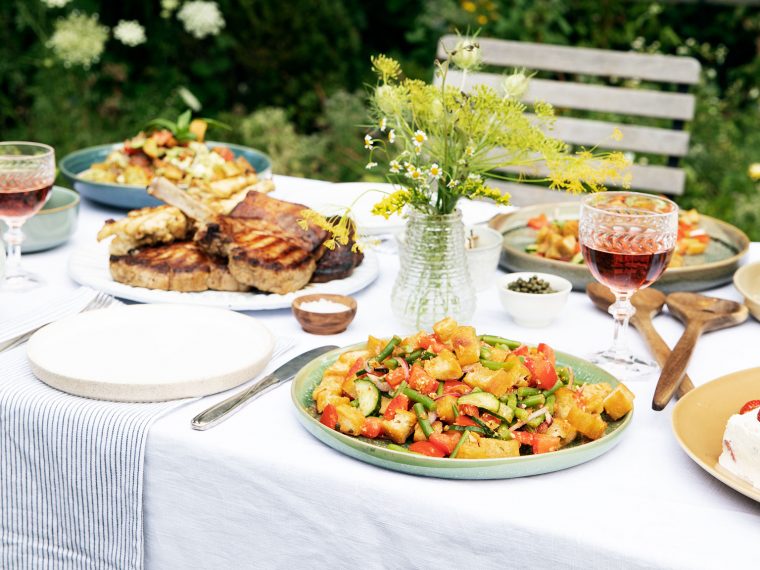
(139, 160)
(488, 418)
(542, 371)
(538, 222)
(445, 441)
(224, 152)
(355, 367)
(164, 138)
(372, 427)
(432, 343)
(548, 352)
(426, 448)
(524, 437)
(521, 350)
(543, 443)
(455, 387)
(129, 149)
(469, 410)
(329, 416)
(422, 381)
(749, 406)
(400, 402)
(395, 376)
(464, 421)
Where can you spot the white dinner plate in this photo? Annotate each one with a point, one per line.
(88, 265)
(149, 353)
(361, 198)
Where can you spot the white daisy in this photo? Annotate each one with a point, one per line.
(371, 165)
(383, 124)
(419, 138)
(395, 167)
(391, 136)
(435, 171)
(453, 183)
(368, 142)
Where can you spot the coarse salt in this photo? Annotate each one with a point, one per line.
(323, 306)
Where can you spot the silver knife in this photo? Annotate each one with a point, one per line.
(224, 409)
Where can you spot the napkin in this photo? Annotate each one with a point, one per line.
(58, 308)
(71, 474)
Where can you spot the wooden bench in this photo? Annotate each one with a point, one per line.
(676, 106)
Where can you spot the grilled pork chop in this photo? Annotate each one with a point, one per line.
(259, 253)
(178, 266)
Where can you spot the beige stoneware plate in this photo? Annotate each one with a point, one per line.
(715, 267)
(699, 420)
(150, 353)
(747, 282)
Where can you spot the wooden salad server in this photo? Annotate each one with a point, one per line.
(700, 314)
(648, 303)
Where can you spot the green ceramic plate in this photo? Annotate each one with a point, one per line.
(133, 197)
(715, 267)
(375, 451)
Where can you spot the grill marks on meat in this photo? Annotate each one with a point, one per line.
(259, 254)
(178, 266)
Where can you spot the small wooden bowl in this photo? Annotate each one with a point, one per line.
(324, 323)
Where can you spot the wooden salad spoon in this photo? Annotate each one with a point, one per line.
(700, 314)
(648, 303)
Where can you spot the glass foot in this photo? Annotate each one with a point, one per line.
(20, 282)
(625, 366)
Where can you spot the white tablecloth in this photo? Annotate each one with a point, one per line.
(259, 491)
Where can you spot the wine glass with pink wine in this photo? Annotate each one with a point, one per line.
(27, 173)
(627, 239)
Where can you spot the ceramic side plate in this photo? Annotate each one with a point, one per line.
(133, 197)
(148, 353)
(699, 420)
(376, 451)
(54, 224)
(747, 282)
(715, 267)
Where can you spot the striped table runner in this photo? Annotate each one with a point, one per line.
(71, 475)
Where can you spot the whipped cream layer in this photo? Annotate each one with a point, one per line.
(741, 447)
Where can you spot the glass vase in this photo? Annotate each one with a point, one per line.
(433, 281)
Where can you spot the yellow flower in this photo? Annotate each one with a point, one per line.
(482, 19)
(469, 6)
(617, 134)
(754, 171)
(386, 67)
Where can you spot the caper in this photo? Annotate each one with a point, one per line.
(533, 285)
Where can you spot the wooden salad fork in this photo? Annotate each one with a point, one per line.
(700, 314)
(649, 303)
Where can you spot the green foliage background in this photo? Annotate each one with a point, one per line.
(289, 75)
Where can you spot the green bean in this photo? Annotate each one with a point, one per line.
(361, 372)
(394, 447)
(400, 389)
(391, 363)
(427, 355)
(535, 422)
(422, 418)
(535, 401)
(550, 402)
(439, 391)
(512, 400)
(492, 365)
(415, 396)
(455, 409)
(553, 389)
(467, 428)
(412, 356)
(525, 391)
(521, 414)
(386, 352)
(485, 354)
(494, 340)
(459, 444)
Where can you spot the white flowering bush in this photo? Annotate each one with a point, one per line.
(55, 3)
(130, 33)
(78, 39)
(201, 18)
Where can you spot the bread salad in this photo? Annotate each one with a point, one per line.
(455, 394)
(176, 151)
(558, 239)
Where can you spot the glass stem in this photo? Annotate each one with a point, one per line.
(621, 310)
(13, 238)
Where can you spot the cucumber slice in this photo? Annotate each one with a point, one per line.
(577, 258)
(505, 413)
(484, 400)
(368, 397)
(531, 248)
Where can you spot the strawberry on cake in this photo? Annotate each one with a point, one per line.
(741, 444)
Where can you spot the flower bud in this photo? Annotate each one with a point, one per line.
(467, 55)
(754, 171)
(388, 100)
(515, 85)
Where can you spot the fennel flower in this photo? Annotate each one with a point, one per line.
(78, 39)
(129, 32)
(201, 18)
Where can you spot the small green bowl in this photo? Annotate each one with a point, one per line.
(54, 224)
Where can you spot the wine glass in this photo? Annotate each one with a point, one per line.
(627, 239)
(27, 173)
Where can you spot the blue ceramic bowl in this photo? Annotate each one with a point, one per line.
(133, 197)
(54, 224)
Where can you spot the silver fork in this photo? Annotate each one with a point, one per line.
(100, 301)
